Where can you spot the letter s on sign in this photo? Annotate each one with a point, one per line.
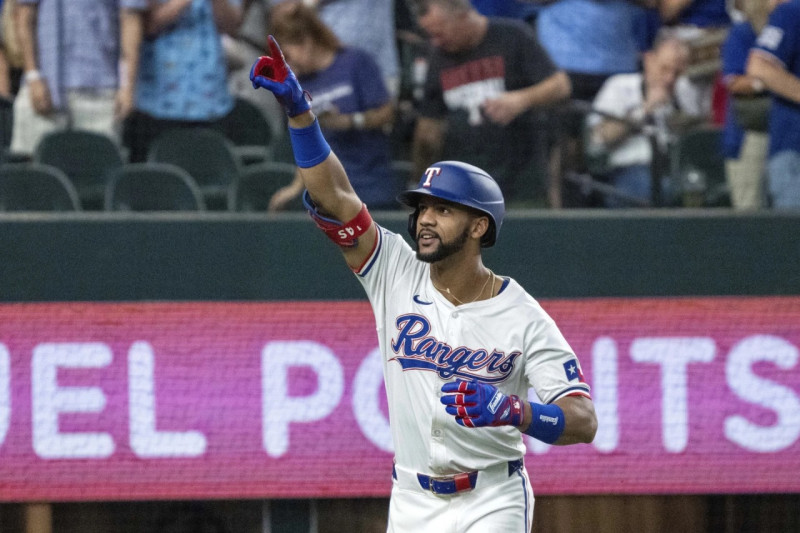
(764, 393)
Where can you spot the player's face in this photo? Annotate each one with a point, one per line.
(442, 230)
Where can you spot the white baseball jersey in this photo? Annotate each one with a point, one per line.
(508, 341)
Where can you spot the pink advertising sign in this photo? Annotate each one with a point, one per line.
(122, 401)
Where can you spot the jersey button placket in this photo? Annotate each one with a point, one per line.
(454, 325)
(439, 417)
(438, 450)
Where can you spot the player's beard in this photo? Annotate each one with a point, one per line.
(445, 249)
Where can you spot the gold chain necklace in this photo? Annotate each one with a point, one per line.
(460, 302)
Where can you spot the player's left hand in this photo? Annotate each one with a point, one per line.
(477, 404)
(272, 73)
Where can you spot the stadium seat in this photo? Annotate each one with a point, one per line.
(697, 167)
(152, 187)
(207, 155)
(250, 131)
(36, 187)
(255, 185)
(85, 157)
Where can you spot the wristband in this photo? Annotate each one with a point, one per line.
(547, 422)
(309, 145)
(32, 75)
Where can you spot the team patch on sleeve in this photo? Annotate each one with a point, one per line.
(577, 384)
(573, 371)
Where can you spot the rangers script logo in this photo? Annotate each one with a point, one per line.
(416, 350)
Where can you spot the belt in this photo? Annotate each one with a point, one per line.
(455, 483)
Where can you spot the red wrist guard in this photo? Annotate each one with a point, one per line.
(345, 235)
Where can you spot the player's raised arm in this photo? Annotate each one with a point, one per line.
(330, 199)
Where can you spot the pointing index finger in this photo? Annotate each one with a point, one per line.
(279, 68)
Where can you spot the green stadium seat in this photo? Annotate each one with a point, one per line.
(255, 185)
(152, 187)
(250, 131)
(86, 157)
(36, 187)
(206, 154)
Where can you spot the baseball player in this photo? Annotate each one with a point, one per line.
(461, 345)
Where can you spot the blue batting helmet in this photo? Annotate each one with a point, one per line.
(461, 184)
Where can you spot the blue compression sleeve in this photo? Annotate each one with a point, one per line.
(309, 146)
(547, 422)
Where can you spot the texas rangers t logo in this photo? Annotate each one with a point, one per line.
(431, 172)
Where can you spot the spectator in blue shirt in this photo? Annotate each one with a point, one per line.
(365, 24)
(183, 45)
(775, 61)
(591, 40)
(351, 102)
(745, 134)
(80, 63)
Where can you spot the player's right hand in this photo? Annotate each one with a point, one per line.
(272, 73)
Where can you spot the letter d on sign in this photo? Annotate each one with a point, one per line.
(279, 408)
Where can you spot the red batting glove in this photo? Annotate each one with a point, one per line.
(272, 73)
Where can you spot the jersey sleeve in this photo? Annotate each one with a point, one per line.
(551, 367)
(779, 39)
(390, 257)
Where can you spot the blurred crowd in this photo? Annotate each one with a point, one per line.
(567, 103)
